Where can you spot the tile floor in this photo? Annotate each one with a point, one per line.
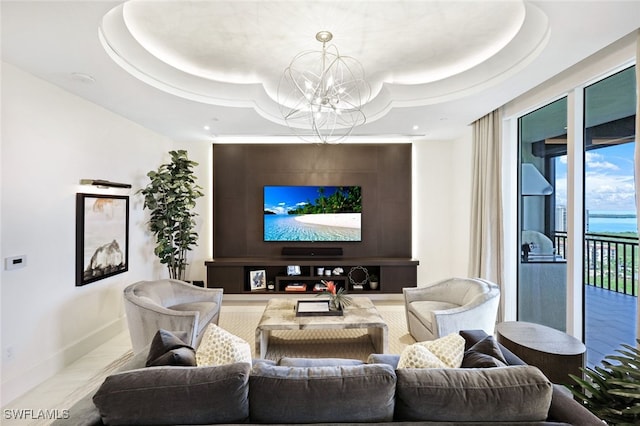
(50, 394)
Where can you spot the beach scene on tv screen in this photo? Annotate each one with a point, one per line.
(312, 213)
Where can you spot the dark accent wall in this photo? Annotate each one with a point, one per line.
(241, 171)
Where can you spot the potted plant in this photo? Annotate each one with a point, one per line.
(338, 298)
(612, 392)
(373, 281)
(171, 196)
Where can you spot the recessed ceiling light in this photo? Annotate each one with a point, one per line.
(415, 127)
(206, 127)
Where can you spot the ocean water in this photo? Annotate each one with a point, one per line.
(286, 228)
(612, 224)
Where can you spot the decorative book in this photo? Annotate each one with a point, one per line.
(296, 287)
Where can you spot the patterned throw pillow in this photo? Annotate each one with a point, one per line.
(445, 352)
(219, 347)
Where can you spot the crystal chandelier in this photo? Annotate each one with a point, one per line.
(323, 92)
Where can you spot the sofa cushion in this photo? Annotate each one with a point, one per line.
(317, 362)
(219, 347)
(503, 394)
(175, 395)
(444, 352)
(484, 354)
(389, 359)
(168, 349)
(349, 393)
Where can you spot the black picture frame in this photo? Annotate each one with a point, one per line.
(102, 236)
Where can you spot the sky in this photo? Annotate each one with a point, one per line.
(280, 199)
(609, 182)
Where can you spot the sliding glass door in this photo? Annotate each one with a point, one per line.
(610, 231)
(542, 272)
(609, 268)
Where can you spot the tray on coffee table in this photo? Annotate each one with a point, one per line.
(313, 308)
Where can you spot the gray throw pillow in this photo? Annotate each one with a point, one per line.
(331, 394)
(168, 349)
(484, 354)
(503, 394)
(175, 395)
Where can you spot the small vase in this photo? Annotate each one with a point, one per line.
(333, 304)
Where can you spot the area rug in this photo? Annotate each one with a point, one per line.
(356, 344)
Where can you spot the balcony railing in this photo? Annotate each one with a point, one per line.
(610, 262)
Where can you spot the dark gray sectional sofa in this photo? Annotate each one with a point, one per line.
(330, 391)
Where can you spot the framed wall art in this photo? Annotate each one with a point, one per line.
(102, 236)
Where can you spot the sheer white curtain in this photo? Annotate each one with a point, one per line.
(637, 153)
(486, 255)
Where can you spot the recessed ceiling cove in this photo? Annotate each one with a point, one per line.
(233, 53)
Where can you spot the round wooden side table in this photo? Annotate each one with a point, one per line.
(554, 352)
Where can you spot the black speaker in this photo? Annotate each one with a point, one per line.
(312, 251)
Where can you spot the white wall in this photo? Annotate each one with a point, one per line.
(442, 199)
(50, 140)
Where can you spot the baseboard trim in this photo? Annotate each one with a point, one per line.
(18, 386)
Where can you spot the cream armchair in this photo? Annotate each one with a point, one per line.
(451, 305)
(171, 305)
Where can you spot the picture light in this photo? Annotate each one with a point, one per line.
(104, 183)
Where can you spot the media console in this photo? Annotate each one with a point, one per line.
(234, 275)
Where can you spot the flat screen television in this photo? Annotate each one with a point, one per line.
(312, 213)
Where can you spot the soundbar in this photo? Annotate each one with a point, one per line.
(312, 251)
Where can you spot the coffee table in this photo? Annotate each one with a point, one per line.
(280, 314)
